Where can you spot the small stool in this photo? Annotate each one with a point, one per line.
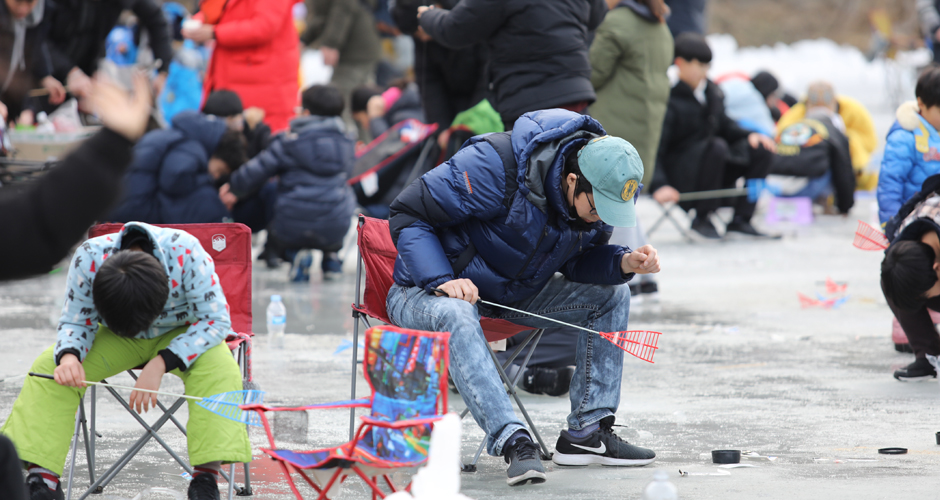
(798, 210)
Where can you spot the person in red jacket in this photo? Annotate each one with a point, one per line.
(256, 55)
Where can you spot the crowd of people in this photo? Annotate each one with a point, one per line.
(570, 114)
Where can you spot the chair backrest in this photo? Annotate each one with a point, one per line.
(229, 245)
(378, 255)
(407, 370)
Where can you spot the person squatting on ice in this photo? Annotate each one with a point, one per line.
(498, 221)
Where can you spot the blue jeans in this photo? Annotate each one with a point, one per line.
(595, 388)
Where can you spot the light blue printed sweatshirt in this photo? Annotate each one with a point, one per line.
(196, 299)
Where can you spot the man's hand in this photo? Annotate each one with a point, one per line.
(202, 34)
(423, 9)
(78, 82)
(460, 288)
(756, 139)
(330, 55)
(227, 197)
(643, 260)
(70, 371)
(149, 379)
(120, 111)
(666, 194)
(55, 88)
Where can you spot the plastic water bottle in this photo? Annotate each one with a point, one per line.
(660, 488)
(277, 321)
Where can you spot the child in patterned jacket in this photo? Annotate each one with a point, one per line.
(146, 295)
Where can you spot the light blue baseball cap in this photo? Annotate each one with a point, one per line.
(614, 169)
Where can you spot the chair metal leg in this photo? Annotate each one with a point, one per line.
(355, 348)
(246, 490)
(79, 419)
(94, 433)
(231, 481)
(151, 433)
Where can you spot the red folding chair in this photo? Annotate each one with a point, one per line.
(229, 245)
(377, 256)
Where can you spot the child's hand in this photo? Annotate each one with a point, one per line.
(70, 371)
(149, 379)
(643, 260)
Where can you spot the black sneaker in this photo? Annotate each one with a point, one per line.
(705, 228)
(919, 370)
(742, 227)
(600, 447)
(38, 490)
(548, 381)
(524, 463)
(203, 487)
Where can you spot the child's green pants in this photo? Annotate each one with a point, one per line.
(43, 416)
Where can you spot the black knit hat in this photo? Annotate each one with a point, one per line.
(765, 83)
(223, 103)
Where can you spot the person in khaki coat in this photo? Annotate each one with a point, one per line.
(629, 57)
(344, 32)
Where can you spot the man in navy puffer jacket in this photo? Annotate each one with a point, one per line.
(313, 161)
(173, 177)
(498, 221)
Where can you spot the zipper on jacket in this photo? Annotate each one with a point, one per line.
(537, 245)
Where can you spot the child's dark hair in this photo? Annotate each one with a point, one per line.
(907, 273)
(928, 87)
(573, 167)
(361, 95)
(693, 47)
(129, 291)
(232, 149)
(323, 100)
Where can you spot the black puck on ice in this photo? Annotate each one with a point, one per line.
(892, 451)
(938, 438)
(726, 456)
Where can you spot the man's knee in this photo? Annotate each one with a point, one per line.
(718, 150)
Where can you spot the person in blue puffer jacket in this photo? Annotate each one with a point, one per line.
(176, 172)
(497, 221)
(912, 152)
(314, 204)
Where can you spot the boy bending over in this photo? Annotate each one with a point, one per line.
(146, 295)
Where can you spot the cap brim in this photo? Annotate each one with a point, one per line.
(617, 213)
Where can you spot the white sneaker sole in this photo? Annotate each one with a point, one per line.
(533, 476)
(926, 378)
(585, 459)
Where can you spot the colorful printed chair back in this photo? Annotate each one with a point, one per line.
(407, 370)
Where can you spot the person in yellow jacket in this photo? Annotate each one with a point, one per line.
(859, 128)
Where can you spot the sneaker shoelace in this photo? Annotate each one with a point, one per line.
(607, 430)
(526, 450)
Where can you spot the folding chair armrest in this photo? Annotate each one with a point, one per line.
(399, 424)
